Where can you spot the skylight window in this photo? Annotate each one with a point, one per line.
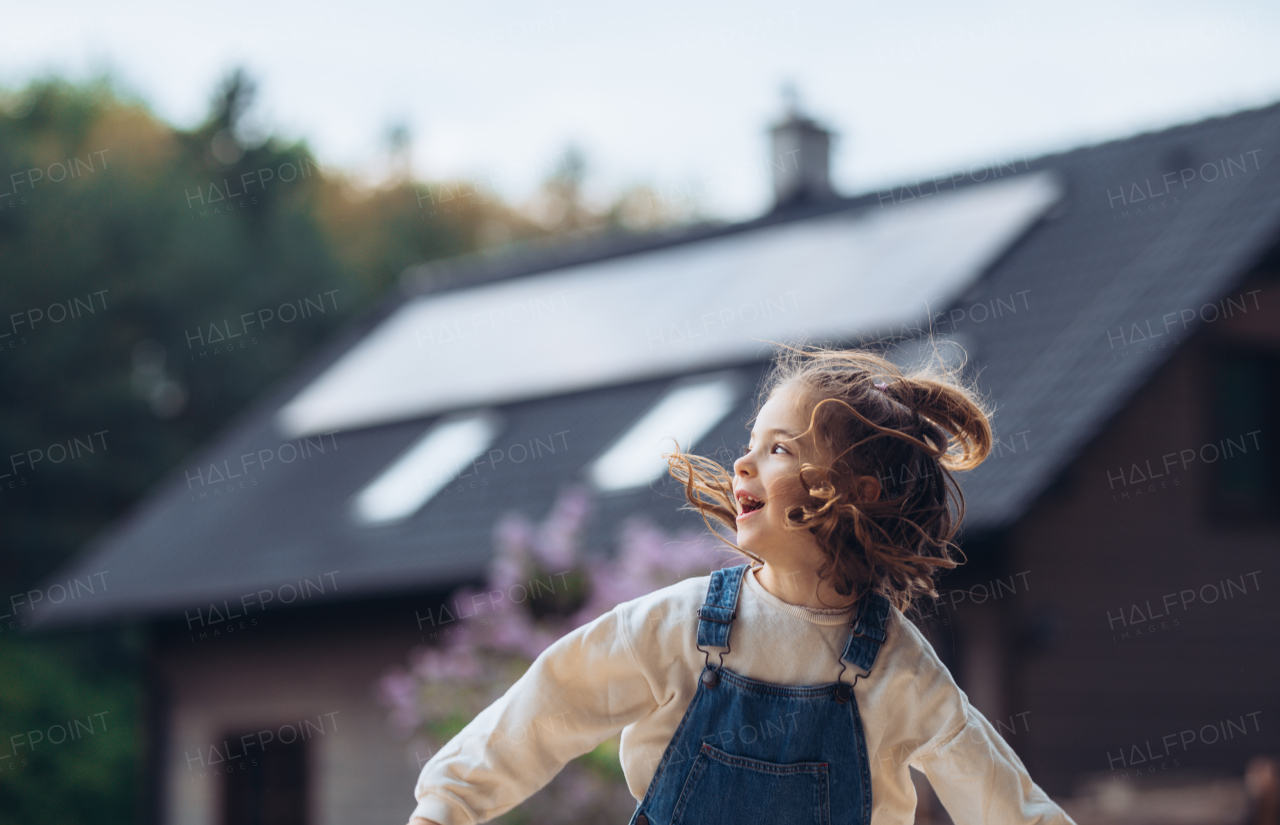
(424, 469)
(687, 412)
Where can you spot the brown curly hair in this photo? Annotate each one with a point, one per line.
(910, 435)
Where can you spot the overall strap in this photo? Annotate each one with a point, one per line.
(720, 607)
(868, 632)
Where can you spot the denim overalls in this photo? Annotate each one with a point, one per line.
(753, 752)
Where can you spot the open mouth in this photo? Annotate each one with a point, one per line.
(749, 505)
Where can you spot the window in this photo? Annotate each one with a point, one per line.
(425, 468)
(268, 787)
(1245, 418)
(686, 412)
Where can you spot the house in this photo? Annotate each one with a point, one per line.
(1117, 302)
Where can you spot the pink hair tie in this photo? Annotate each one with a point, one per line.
(882, 386)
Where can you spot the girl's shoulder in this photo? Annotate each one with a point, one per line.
(913, 676)
(910, 648)
(665, 609)
(684, 593)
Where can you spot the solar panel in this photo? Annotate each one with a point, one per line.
(673, 310)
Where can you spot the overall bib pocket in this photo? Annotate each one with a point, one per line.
(722, 788)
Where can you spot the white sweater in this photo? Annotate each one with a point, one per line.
(636, 668)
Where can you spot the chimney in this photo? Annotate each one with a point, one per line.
(800, 158)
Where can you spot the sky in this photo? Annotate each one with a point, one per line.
(675, 95)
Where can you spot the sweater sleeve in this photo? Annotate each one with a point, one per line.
(581, 690)
(980, 780)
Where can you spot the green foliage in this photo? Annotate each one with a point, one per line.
(130, 223)
(68, 750)
(167, 239)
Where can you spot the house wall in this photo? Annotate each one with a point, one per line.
(1113, 678)
(319, 664)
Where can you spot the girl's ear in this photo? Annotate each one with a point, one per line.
(868, 488)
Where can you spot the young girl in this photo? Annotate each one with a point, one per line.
(791, 690)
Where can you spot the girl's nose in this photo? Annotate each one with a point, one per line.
(742, 466)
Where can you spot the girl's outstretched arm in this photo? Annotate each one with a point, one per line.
(980, 780)
(581, 690)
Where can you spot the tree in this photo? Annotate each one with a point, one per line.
(145, 279)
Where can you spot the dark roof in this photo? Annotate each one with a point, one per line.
(1036, 326)
(1058, 369)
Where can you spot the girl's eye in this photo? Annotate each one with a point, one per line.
(746, 450)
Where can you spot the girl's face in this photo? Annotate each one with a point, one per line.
(765, 479)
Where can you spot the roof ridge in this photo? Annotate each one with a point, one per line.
(1166, 131)
(530, 257)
